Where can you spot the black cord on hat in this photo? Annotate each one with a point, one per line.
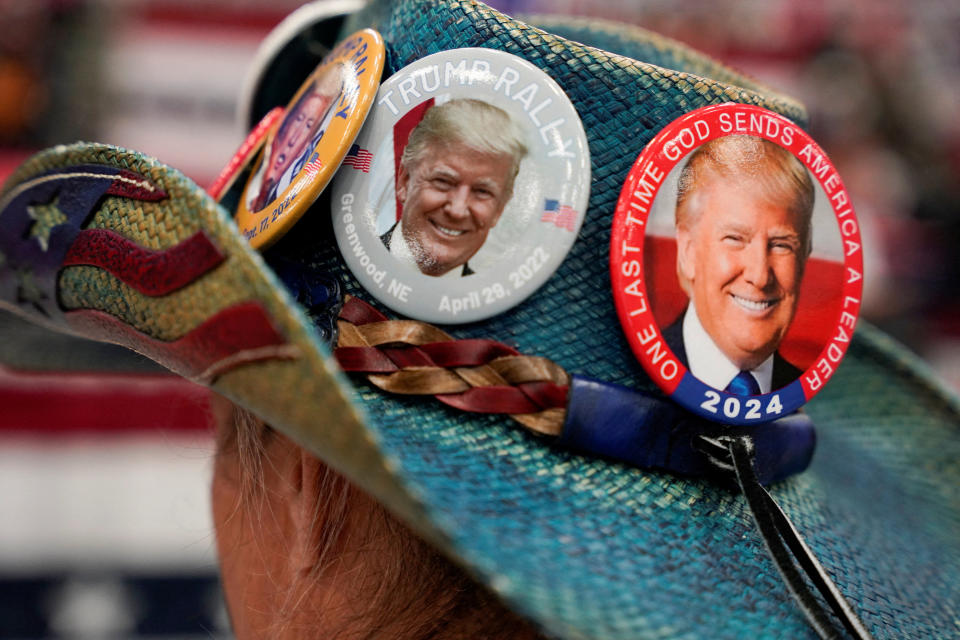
(783, 541)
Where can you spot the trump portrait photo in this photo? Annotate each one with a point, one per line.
(743, 224)
(455, 177)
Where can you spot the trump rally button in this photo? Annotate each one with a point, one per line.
(466, 188)
(736, 264)
(307, 145)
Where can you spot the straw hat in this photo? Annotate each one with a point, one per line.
(110, 244)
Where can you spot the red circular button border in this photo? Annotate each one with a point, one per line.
(244, 154)
(658, 158)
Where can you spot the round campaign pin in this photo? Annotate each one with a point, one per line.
(466, 188)
(250, 146)
(305, 148)
(736, 264)
(288, 54)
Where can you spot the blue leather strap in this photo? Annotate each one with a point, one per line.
(652, 432)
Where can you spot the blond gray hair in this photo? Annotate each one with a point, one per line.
(472, 123)
(777, 174)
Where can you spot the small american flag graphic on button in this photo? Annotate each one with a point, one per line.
(562, 215)
(358, 158)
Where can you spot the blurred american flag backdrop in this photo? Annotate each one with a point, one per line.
(105, 459)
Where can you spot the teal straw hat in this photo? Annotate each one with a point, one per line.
(110, 244)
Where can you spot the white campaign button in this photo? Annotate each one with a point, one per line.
(466, 187)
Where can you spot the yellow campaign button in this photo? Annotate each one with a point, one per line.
(305, 148)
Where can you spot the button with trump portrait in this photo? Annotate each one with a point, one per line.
(736, 264)
(304, 148)
(465, 189)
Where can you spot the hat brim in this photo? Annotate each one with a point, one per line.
(594, 549)
(586, 548)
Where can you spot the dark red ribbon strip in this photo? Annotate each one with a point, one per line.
(457, 353)
(529, 397)
(364, 360)
(524, 398)
(358, 312)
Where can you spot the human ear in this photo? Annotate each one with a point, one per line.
(317, 508)
(286, 507)
(403, 179)
(686, 261)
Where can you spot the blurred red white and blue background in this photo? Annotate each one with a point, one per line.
(104, 458)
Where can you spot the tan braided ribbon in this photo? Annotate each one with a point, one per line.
(415, 358)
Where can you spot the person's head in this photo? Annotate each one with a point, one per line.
(305, 554)
(456, 175)
(743, 218)
(299, 125)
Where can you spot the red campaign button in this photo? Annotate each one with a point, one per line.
(736, 263)
(248, 148)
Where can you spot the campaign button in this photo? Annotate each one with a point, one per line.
(289, 53)
(465, 189)
(304, 148)
(251, 145)
(736, 264)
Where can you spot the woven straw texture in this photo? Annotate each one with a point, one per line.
(586, 548)
(594, 550)
(287, 392)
